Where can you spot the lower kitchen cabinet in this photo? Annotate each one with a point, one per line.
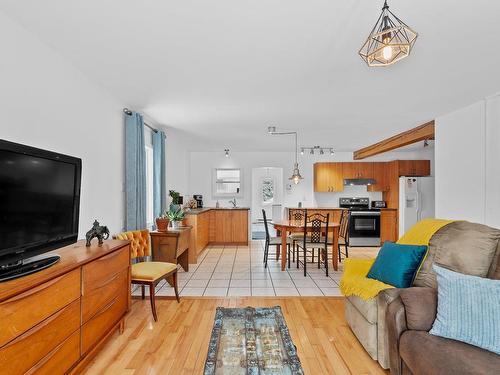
(388, 226)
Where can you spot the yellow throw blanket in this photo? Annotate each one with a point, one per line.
(354, 280)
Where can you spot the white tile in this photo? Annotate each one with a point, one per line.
(283, 283)
(195, 283)
(263, 292)
(166, 291)
(331, 291)
(216, 292)
(326, 283)
(280, 275)
(262, 283)
(221, 275)
(240, 276)
(286, 291)
(214, 283)
(240, 283)
(202, 276)
(192, 292)
(304, 282)
(261, 276)
(310, 291)
(239, 292)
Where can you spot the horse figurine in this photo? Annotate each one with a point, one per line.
(97, 231)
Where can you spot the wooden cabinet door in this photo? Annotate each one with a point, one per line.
(336, 181)
(365, 170)
(414, 168)
(388, 226)
(406, 167)
(239, 226)
(350, 170)
(222, 226)
(357, 170)
(422, 167)
(380, 175)
(321, 177)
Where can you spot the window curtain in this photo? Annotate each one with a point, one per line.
(159, 188)
(135, 172)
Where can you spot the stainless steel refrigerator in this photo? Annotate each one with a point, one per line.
(416, 201)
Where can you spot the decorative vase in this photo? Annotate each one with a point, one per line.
(175, 224)
(162, 224)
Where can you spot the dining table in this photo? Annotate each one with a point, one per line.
(285, 227)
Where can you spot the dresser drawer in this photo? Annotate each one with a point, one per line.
(21, 354)
(98, 272)
(26, 310)
(103, 294)
(101, 323)
(61, 359)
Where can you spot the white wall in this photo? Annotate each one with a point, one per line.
(49, 104)
(203, 163)
(468, 163)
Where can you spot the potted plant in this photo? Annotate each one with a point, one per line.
(162, 222)
(176, 199)
(175, 215)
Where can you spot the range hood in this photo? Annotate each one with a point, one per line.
(359, 181)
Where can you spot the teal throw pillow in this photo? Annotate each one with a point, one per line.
(468, 309)
(396, 264)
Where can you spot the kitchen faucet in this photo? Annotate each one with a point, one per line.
(233, 202)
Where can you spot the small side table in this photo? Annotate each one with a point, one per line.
(172, 246)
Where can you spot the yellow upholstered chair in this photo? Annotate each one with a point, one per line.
(147, 273)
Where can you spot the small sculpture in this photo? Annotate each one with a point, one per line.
(101, 232)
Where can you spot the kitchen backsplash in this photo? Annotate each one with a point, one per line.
(332, 199)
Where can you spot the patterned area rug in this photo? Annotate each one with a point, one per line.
(251, 341)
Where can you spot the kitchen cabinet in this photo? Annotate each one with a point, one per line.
(231, 227)
(328, 177)
(200, 224)
(380, 174)
(353, 170)
(388, 226)
(414, 167)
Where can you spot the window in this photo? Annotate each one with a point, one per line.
(267, 187)
(149, 186)
(227, 183)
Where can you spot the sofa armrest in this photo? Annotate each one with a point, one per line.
(396, 324)
(420, 307)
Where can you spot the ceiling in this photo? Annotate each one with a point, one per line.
(224, 70)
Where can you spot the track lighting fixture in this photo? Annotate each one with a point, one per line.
(312, 150)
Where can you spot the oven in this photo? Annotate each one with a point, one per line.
(364, 228)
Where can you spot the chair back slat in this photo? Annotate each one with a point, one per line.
(344, 224)
(297, 215)
(317, 225)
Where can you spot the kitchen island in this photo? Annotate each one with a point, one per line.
(217, 226)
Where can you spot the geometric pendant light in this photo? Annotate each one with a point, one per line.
(389, 41)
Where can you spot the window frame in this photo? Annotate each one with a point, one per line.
(216, 194)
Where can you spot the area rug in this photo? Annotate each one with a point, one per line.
(251, 341)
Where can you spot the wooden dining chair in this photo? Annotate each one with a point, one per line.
(344, 234)
(315, 237)
(272, 241)
(147, 273)
(298, 216)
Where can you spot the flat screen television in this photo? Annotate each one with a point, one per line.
(39, 205)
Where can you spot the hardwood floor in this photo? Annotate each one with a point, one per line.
(178, 342)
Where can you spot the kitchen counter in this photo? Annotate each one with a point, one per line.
(331, 208)
(197, 211)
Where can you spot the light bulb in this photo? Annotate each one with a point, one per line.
(302, 151)
(387, 52)
(296, 179)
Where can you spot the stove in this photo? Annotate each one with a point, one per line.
(364, 222)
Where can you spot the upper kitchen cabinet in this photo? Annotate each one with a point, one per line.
(414, 167)
(357, 170)
(380, 174)
(328, 177)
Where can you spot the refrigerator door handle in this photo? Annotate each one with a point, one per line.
(418, 205)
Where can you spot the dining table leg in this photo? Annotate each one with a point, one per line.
(335, 249)
(284, 252)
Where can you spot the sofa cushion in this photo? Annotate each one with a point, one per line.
(420, 306)
(468, 309)
(367, 308)
(461, 246)
(397, 264)
(427, 354)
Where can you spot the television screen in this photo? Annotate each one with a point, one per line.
(39, 200)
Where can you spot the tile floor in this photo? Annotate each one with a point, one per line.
(239, 271)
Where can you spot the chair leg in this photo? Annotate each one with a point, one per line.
(340, 254)
(288, 254)
(305, 261)
(143, 291)
(293, 253)
(326, 261)
(346, 252)
(176, 290)
(313, 256)
(319, 258)
(266, 253)
(152, 299)
(278, 251)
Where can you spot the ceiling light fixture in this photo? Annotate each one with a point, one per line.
(295, 177)
(389, 41)
(302, 151)
(331, 151)
(321, 152)
(226, 151)
(312, 150)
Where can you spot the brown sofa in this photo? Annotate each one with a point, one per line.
(413, 350)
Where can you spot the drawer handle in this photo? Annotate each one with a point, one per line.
(109, 281)
(36, 328)
(106, 308)
(34, 290)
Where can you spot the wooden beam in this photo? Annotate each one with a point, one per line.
(420, 133)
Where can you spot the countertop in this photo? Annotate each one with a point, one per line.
(328, 208)
(197, 211)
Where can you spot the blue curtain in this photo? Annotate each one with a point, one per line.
(159, 188)
(135, 172)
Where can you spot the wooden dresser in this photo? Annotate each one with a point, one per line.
(54, 321)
